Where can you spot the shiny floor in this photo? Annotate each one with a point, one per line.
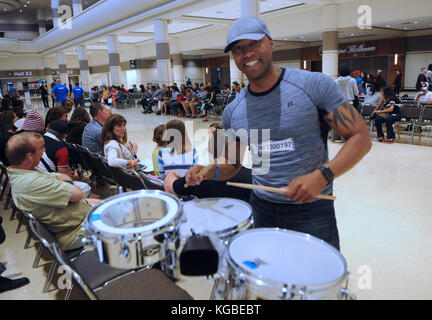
(383, 211)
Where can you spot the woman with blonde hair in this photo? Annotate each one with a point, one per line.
(118, 151)
(179, 155)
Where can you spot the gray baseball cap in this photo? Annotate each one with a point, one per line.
(246, 28)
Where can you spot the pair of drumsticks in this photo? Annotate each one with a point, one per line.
(256, 187)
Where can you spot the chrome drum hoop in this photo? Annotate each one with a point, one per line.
(126, 245)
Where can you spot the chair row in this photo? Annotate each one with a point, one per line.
(413, 115)
(122, 178)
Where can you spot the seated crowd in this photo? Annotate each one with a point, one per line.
(38, 161)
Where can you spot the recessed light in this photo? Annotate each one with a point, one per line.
(25, 6)
(20, 10)
(415, 22)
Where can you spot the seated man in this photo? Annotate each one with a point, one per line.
(92, 134)
(424, 96)
(191, 103)
(56, 155)
(174, 183)
(49, 196)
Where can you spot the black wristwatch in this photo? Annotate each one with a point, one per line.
(327, 173)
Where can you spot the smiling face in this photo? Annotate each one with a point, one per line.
(254, 58)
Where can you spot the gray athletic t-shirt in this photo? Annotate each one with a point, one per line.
(284, 127)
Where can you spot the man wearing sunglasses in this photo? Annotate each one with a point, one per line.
(292, 111)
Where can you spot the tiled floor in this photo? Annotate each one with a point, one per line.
(383, 210)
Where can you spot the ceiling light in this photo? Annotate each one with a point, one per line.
(415, 22)
(25, 6)
(20, 10)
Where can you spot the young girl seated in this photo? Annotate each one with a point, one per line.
(180, 155)
(157, 137)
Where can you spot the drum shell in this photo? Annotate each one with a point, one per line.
(134, 250)
(236, 283)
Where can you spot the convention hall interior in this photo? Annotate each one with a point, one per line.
(120, 53)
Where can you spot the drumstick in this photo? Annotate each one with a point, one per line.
(202, 172)
(271, 189)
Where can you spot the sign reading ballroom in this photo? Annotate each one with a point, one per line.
(353, 49)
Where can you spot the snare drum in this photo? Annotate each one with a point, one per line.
(278, 264)
(131, 230)
(225, 217)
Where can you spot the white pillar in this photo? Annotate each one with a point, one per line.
(41, 21)
(177, 65)
(84, 67)
(330, 52)
(47, 73)
(54, 8)
(235, 73)
(249, 8)
(163, 52)
(114, 60)
(77, 7)
(62, 68)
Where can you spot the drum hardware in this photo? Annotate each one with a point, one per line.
(216, 218)
(199, 256)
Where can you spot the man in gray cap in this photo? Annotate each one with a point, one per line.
(292, 111)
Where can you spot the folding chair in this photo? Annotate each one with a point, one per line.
(411, 114)
(127, 179)
(366, 113)
(146, 284)
(46, 239)
(97, 165)
(425, 120)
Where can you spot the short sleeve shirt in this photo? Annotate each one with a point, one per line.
(284, 127)
(60, 91)
(77, 92)
(46, 197)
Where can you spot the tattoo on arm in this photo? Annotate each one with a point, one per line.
(345, 115)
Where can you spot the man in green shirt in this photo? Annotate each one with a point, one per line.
(50, 197)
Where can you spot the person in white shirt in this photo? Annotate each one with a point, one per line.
(424, 96)
(118, 151)
(373, 97)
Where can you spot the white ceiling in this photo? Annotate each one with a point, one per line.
(208, 16)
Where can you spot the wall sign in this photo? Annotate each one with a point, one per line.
(12, 74)
(353, 49)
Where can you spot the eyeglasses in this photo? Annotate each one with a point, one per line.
(253, 45)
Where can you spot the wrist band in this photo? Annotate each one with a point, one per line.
(217, 172)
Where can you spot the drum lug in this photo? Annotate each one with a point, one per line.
(89, 243)
(124, 251)
(345, 294)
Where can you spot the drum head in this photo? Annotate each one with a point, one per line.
(286, 257)
(214, 215)
(134, 213)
